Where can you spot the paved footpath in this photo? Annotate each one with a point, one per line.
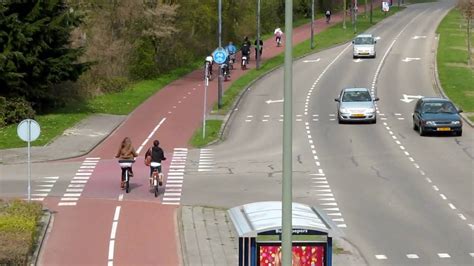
(108, 227)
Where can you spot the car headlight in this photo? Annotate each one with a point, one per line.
(344, 110)
(455, 122)
(430, 123)
(370, 110)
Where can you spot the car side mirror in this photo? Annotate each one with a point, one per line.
(375, 41)
(460, 111)
(337, 99)
(376, 99)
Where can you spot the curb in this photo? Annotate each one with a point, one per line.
(437, 82)
(45, 222)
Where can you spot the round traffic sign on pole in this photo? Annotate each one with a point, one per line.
(28, 130)
(220, 55)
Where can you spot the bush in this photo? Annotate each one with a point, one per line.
(114, 84)
(142, 61)
(18, 224)
(16, 110)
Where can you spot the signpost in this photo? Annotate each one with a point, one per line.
(28, 130)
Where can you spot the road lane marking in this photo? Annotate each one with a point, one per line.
(412, 256)
(381, 257)
(444, 255)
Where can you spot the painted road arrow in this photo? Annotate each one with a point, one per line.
(416, 37)
(311, 60)
(274, 101)
(410, 98)
(408, 59)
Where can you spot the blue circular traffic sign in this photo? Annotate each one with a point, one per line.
(219, 55)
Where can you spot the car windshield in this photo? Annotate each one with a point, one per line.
(364, 40)
(356, 96)
(438, 107)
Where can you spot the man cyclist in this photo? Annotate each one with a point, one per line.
(157, 155)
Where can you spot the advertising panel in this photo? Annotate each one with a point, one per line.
(269, 254)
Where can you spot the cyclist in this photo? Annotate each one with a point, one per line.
(209, 62)
(261, 48)
(278, 34)
(126, 152)
(246, 44)
(157, 155)
(328, 16)
(231, 50)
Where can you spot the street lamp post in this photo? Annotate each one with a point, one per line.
(312, 24)
(220, 78)
(344, 14)
(258, 35)
(287, 198)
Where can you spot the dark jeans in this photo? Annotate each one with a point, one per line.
(123, 173)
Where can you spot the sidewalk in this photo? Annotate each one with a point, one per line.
(207, 235)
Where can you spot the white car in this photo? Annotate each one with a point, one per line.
(363, 45)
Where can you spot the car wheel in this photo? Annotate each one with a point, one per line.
(415, 127)
(459, 133)
(421, 130)
(374, 121)
(354, 57)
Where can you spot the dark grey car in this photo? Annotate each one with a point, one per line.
(436, 115)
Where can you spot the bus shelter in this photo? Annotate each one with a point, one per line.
(258, 225)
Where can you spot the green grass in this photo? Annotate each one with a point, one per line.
(456, 77)
(212, 133)
(18, 227)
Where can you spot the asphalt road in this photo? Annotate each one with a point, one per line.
(401, 199)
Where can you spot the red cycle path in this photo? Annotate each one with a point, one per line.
(147, 230)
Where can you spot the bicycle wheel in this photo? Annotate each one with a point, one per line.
(156, 191)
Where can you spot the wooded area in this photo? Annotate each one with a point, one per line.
(53, 52)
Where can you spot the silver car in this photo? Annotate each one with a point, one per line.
(356, 104)
(364, 45)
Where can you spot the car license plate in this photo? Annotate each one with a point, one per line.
(364, 53)
(358, 115)
(443, 129)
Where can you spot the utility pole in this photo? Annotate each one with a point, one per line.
(287, 197)
(344, 14)
(312, 24)
(220, 78)
(371, 8)
(258, 35)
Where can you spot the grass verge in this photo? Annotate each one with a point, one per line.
(212, 133)
(18, 231)
(332, 36)
(456, 77)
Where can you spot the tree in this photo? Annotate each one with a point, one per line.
(35, 51)
(467, 9)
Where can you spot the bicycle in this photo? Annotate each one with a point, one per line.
(208, 70)
(156, 179)
(126, 166)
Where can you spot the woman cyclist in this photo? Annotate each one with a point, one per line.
(126, 152)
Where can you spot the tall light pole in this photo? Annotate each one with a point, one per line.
(258, 35)
(287, 198)
(219, 80)
(344, 14)
(371, 8)
(312, 24)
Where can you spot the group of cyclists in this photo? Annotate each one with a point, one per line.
(245, 49)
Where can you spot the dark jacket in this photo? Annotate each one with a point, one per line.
(157, 154)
